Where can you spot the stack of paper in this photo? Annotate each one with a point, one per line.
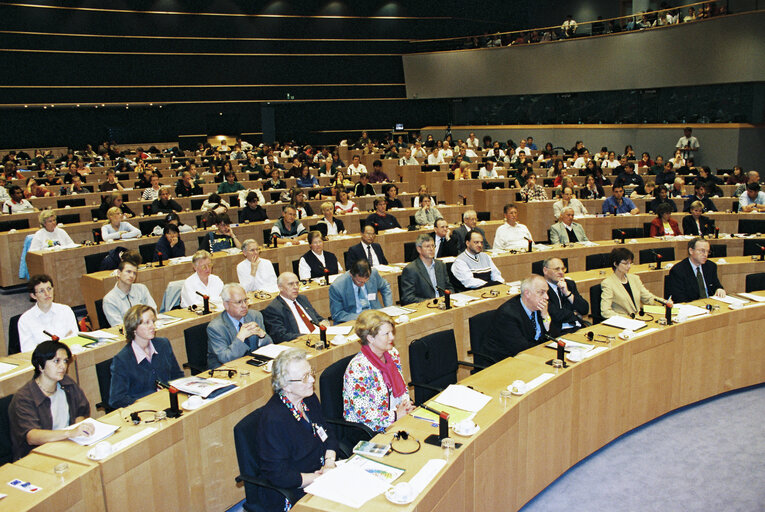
(689, 310)
(730, 300)
(271, 350)
(570, 344)
(460, 299)
(622, 322)
(541, 379)
(349, 485)
(751, 296)
(463, 398)
(397, 311)
(101, 432)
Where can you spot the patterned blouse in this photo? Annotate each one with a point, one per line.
(535, 193)
(366, 399)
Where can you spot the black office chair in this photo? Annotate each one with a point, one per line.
(666, 286)
(433, 364)
(93, 262)
(483, 216)
(197, 202)
(321, 227)
(753, 247)
(296, 266)
(147, 252)
(14, 224)
(147, 226)
(412, 220)
(456, 283)
(595, 293)
(276, 267)
(103, 323)
(751, 226)
(195, 339)
(14, 342)
(649, 255)
(347, 433)
(479, 324)
(203, 243)
(537, 266)
(146, 208)
(490, 185)
(104, 375)
(755, 282)
(77, 201)
(599, 260)
(249, 473)
(646, 229)
(267, 236)
(628, 233)
(95, 213)
(6, 453)
(97, 236)
(410, 252)
(70, 218)
(233, 200)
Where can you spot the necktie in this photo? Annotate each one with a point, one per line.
(363, 302)
(561, 297)
(537, 329)
(369, 254)
(304, 317)
(440, 246)
(240, 327)
(700, 280)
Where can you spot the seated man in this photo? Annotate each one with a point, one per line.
(313, 263)
(125, 294)
(566, 306)
(630, 180)
(512, 235)
(363, 188)
(380, 219)
(186, 186)
(288, 226)
(236, 331)
(568, 200)
(290, 314)
(700, 194)
(202, 281)
(45, 315)
(567, 231)
(356, 290)
(17, 203)
(617, 203)
(230, 186)
(474, 268)
(445, 245)
(426, 277)
(695, 277)
(366, 249)
(521, 322)
(753, 200)
(469, 222)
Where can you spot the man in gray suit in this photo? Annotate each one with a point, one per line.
(567, 231)
(469, 222)
(356, 290)
(236, 331)
(422, 278)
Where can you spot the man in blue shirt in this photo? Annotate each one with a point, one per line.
(753, 200)
(357, 290)
(617, 203)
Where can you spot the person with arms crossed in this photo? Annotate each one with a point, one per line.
(565, 305)
(290, 314)
(695, 277)
(425, 277)
(473, 268)
(45, 315)
(356, 291)
(236, 331)
(125, 294)
(566, 231)
(753, 200)
(380, 219)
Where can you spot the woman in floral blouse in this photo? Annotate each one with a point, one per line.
(374, 390)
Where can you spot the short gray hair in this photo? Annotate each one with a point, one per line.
(527, 283)
(422, 238)
(284, 275)
(248, 242)
(567, 208)
(279, 377)
(469, 213)
(225, 294)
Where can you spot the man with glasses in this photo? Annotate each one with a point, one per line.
(426, 277)
(695, 277)
(45, 315)
(290, 314)
(566, 306)
(356, 290)
(236, 331)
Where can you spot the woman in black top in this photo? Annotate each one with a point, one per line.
(252, 212)
(391, 197)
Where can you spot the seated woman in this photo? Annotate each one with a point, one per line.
(143, 361)
(49, 235)
(697, 224)
(47, 404)
(427, 215)
(114, 200)
(170, 245)
(223, 238)
(294, 445)
(343, 204)
(624, 293)
(340, 181)
(298, 201)
(422, 190)
(316, 260)
(117, 229)
(275, 182)
(252, 211)
(306, 179)
(365, 400)
(664, 224)
(660, 197)
(255, 273)
(391, 197)
(334, 226)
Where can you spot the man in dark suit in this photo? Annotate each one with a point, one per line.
(366, 249)
(521, 322)
(700, 195)
(695, 277)
(290, 314)
(236, 331)
(469, 223)
(566, 305)
(445, 245)
(422, 277)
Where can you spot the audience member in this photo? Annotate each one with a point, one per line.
(425, 277)
(469, 222)
(566, 231)
(473, 268)
(125, 294)
(695, 277)
(314, 262)
(512, 235)
(49, 235)
(565, 305)
(356, 291)
(366, 249)
(380, 218)
(617, 203)
(290, 314)
(664, 224)
(624, 293)
(287, 226)
(202, 281)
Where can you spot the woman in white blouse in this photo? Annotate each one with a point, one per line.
(343, 204)
(677, 161)
(611, 162)
(256, 273)
(49, 235)
(117, 229)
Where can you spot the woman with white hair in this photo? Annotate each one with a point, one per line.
(49, 235)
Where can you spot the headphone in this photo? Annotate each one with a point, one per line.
(135, 417)
(403, 435)
(231, 372)
(492, 293)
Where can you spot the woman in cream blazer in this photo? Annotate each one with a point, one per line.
(614, 299)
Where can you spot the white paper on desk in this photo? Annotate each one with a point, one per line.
(164, 320)
(394, 230)
(542, 247)
(180, 259)
(643, 333)
(320, 280)
(689, 310)
(6, 367)
(730, 300)
(387, 268)
(460, 299)
(101, 432)
(348, 485)
(462, 397)
(339, 329)
(588, 243)
(101, 335)
(571, 344)
(448, 259)
(396, 311)
(539, 380)
(751, 296)
(596, 350)
(271, 350)
(623, 322)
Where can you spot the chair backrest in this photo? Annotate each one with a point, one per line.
(321, 227)
(246, 448)
(75, 201)
(410, 252)
(147, 252)
(479, 324)
(628, 233)
(8, 225)
(93, 261)
(433, 361)
(752, 247)
(595, 292)
(718, 251)
(267, 236)
(755, 282)
(14, 343)
(456, 283)
(69, 218)
(295, 266)
(95, 213)
(197, 202)
(646, 229)
(104, 375)
(103, 323)
(412, 220)
(751, 226)
(6, 453)
(147, 226)
(195, 339)
(146, 209)
(537, 266)
(649, 255)
(599, 260)
(485, 216)
(331, 388)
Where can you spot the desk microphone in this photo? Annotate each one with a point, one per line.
(326, 276)
(622, 233)
(531, 243)
(160, 255)
(206, 303)
(53, 337)
(666, 306)
(658, 258)
(560, 346)
(447, 297)
(762, 251)
(173, 411)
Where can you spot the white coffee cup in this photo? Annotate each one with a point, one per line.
(465, 426)
(102, 450)
(518, 386)
(194, 401)
(403, 491)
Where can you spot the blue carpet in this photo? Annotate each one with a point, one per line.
(705, 457)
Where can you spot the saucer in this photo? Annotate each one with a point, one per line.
(390, 495)
(92, 454)
(188, 407)
(466, 434)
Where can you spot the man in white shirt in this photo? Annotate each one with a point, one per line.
(569, 26)
(125, 294)
(408, 159)
(522, 148)
(447, 151)
(17, 203)
(512, 235)
(568, 200)
(472, 141)
(496, 152)
(688, 144)
(152, 193)
(254, 272)
(488, 171)
(45, 315)
(202, 281)
(49, 235)
(581, 162)
(356, 167)
(419, 151)
(435, 158)
(288, 152)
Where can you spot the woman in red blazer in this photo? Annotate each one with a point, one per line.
(663, 224)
